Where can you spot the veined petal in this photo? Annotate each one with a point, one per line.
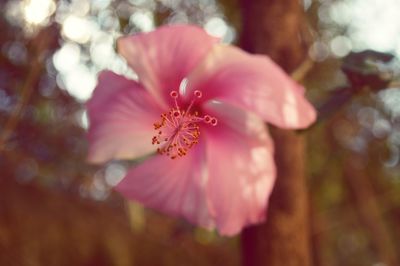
(241, 168)
(252, 82)
(164, 57)
(175, 187)
(121, 115)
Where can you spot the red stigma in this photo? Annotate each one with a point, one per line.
(178, 131)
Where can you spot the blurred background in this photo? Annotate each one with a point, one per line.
(55, 209)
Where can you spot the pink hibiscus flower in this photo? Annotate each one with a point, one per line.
(198, 110)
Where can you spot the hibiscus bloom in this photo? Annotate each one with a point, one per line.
(198, 112)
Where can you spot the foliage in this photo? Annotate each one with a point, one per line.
(55, 208)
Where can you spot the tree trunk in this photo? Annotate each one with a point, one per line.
(275, 28)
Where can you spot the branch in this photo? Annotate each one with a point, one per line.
(40, 45)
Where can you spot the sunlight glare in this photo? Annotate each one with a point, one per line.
(217, 27)
(114, 173)
(102, 52)
(143, 20)
(77, 29)
(67, 57)
(79, 82)
(391, 101)
(340, 46)
(372, 24)
(38, 11)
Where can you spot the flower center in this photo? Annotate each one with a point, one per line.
(179, 129)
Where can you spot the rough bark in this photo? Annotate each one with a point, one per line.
(275, 28)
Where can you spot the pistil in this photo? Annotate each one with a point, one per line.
(179, 130)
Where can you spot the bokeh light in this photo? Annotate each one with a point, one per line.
(38, 11)
(72, 203)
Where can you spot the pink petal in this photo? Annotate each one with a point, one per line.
(121, 115)
(241, 168)
(252, 82)
(175, 187)
(164, 57)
